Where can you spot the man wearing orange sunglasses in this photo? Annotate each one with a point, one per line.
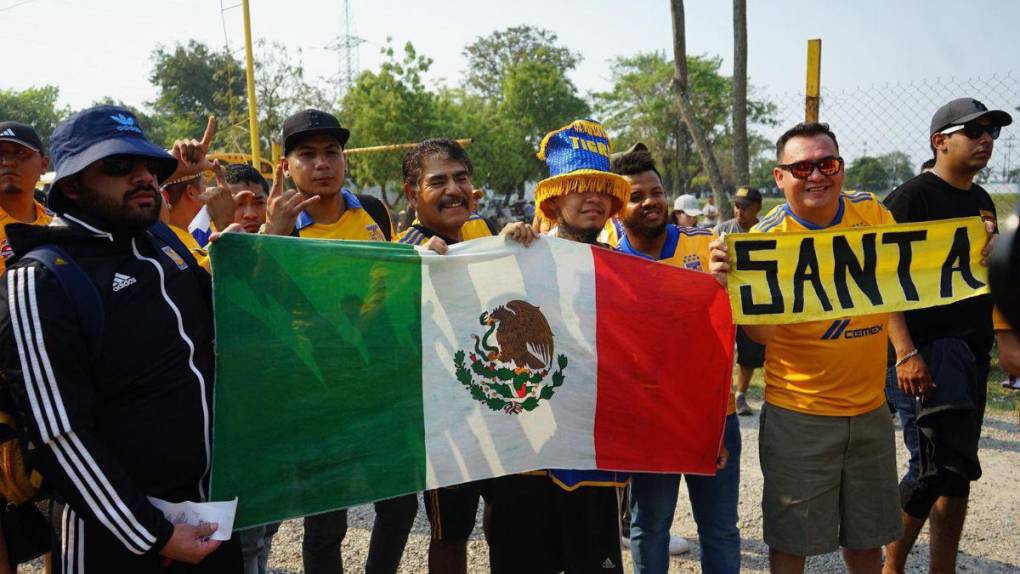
(826, 443)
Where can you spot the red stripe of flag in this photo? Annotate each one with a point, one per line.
(664, 375)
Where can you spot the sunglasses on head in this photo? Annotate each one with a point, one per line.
(974, 131)
(828, 166)
(121, 165)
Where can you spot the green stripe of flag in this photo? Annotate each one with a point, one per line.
(310, 341)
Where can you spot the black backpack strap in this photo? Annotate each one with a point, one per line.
(167, 235)
(379, 213)
(79, 289)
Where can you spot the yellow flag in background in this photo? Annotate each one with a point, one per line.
(797, 277)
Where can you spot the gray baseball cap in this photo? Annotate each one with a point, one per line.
(963, 110)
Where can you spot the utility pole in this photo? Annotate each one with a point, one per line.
(346, 47)
(253, 116)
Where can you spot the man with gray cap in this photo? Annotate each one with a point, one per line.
(939, 387)
(106, 345)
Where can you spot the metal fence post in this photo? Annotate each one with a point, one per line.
(814, 80)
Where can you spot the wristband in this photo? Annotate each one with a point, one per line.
(909, 356)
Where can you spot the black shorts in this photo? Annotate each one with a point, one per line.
(749, 354)
(948, 425)
(538, 527)
(452, 510)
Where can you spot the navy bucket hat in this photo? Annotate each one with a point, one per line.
(95, 133)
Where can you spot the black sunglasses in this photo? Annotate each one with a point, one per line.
(974, 131)
(121, 165)
(829, 166)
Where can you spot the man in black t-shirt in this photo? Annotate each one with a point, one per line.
(942, 408)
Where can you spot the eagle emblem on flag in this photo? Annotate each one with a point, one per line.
(509, 374)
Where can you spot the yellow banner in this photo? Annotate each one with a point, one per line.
(824, 275)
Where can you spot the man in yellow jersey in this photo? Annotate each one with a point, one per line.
(826, 441)
(249, 191)
(437, 185)
(653, 496)
(319, 207)
(22, 162)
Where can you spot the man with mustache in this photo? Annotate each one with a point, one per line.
(653, 496)
(942, 421)
(320, 207)
(437, 185)
(22, 163)
(123, 412)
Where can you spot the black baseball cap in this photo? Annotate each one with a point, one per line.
(23, 134)
(745, 195)
(309, 123)
(963, 110)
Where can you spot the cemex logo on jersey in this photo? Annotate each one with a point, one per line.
(838, 328)
(125, 123)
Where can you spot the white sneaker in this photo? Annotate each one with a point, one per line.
(625, 542)
(678, 545)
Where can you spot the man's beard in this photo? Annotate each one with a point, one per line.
(638, 227)
(566, 231)
(10, 189)
(119, 216)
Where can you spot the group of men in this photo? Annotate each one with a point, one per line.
(122, 412)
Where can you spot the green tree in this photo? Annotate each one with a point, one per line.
(280, 90)
(641, 107)
(388, 107)
(879, 174)
(491, 56)
(535, 98)
(35, 106)
(194, 82)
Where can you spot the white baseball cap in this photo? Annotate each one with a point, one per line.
(688, 204)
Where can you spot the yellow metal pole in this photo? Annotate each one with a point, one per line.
(253, 117)
(394, 147)
(814, 80)
(277, 151)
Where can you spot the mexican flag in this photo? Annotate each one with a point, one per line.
(348, 372)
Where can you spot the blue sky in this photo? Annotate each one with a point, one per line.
(101, 47)
(97, 48)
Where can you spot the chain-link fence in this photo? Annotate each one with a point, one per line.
(883, 129)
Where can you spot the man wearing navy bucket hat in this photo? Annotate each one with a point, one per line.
(571, 516)
(107, 346)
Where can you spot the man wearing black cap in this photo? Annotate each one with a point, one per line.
(942, 408)
(22, 162)
(320, 207)
(750, 355)
(117, 404)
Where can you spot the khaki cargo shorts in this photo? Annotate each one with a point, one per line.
(829, 481)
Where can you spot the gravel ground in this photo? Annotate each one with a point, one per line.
(990, 541)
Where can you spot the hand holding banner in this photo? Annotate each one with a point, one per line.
(798, 277)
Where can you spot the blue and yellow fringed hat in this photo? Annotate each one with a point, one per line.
(578, 159)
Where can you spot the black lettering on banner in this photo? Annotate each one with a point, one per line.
(807, 270)
(903, 239)
(864, 276)
(742, 254)
(958, 261)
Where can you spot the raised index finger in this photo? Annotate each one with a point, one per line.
(210, 131)
(277, 188)
(218, 172)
